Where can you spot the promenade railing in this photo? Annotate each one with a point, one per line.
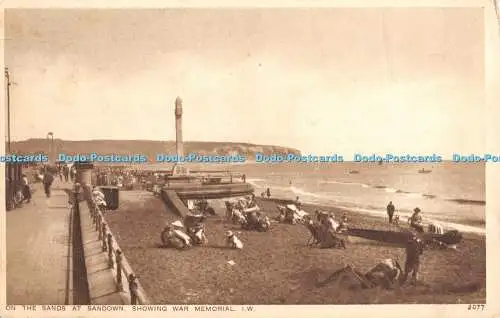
(125, 278)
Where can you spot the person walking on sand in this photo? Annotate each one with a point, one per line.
(390, 211)
(268, 192)
(298, 204)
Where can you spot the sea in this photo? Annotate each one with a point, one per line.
(452, 194)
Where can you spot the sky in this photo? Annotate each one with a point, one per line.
(323, 81)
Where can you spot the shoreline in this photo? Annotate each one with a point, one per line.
(473, 222)
(376, 216)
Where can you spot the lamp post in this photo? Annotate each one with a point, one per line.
(9, 193)
(7, 77)
(51, 147)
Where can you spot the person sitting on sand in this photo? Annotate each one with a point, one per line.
(232, 241)
(331, 223)
(386, 273)
(343, 223)
(252, 217)
(416, 220)
(297, 202)
(251, 202)
(238, 217)
(171, 239)
(179, 233)
(322, 218)
(281, 217)
(317, 214)
(167, 235)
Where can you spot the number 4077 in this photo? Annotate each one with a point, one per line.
(475, 307)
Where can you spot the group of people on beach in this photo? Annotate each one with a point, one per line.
(266, 193)
(386, 272)
(183, 235)
(415, 219)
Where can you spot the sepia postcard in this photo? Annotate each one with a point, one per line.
(209, 159)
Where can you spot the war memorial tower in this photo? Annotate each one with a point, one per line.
(179, 169)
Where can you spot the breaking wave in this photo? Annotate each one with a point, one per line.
(304, 192)
(328, 198)
(409, 193)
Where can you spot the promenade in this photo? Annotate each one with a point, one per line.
(40, 256)
(38, 249)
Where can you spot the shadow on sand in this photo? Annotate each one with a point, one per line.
(210, 246)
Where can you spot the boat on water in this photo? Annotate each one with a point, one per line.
(424, 171)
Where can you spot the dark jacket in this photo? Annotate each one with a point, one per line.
(48, 178)
(390, 208)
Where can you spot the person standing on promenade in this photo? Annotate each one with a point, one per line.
(48, 178)
(60, 172)
(72, 174)
(66, 172)
(390, 211)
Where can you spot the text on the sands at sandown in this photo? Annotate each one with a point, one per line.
(134, 308)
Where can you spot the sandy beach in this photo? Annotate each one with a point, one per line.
(277, 267)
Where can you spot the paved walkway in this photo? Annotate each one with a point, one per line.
(100, 278)
(38, 249)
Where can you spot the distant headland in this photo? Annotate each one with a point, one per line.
(147, 147)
